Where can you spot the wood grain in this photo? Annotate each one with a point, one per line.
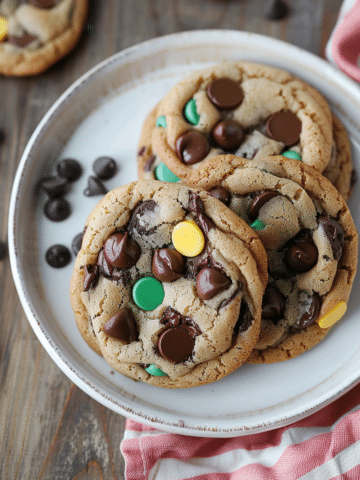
(50, 429)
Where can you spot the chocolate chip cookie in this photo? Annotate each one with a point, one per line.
(168, 285)
(311, 244)
(35, 34)
(247, 109)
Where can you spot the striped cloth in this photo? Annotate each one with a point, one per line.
(323, 446)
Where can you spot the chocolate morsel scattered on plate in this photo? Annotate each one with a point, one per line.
(70, 169)
(57, 209)
(58, 256)
(95, 187)
(104, 167)
(76, 243)
(54, 186)
(275, 10)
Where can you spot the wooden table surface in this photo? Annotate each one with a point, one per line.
(50, 429)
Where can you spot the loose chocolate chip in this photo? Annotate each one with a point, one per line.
(176, 344)
(259, 201)
(276, 10)
(273, 304)
(104, 167)
(228, 134)
(138, 224)
(335, 234)
(311, 315)
(54, 186)
(58, 256)
(70, 169)
(43, 3)
(3, 250)
(301, 257)
(210, 282)
(167, 265)
(192, 147)
(95, 187)
(57, 209)
(245, 318)
(23, 41)
(221, 194)
(149, 163)
(91, 276)
(122, 326)
(284, 127)
(76, 243)
(121, 251)
(225, 93)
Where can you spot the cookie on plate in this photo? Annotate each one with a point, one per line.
(247, 109)
(35, 34)
(311, 244)
(168, 285)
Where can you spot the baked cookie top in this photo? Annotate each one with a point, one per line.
(35, 34)
(311, 244)
(243, 108)
(168, 285)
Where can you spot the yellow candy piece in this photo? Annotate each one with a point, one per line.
(333, 316)
(3, 28)
(188, 238)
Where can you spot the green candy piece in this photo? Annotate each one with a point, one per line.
(191, 113)
(258, 225)
(292, 154)
(161, 121)
(148, 293)
(155, 371)
(164, 174)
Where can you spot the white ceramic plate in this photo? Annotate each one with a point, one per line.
(101, 114)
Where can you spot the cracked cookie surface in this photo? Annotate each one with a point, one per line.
(39, 33)
(202, 318)
(269, 112)
(310, 239)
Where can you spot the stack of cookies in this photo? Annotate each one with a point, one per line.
(235, 244)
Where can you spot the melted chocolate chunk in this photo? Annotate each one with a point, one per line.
(122, 326)
(273, 304)
(311, 315)
(210, 282)
(137, 223)
(259, 201)
(121, 251)
(204, 260)
(141, 151)
(149, 163)
(95, 187)
(245, 318)
(58, 256)
(284, 127)
(225, 93)
(176, 344)
(192, 147)
(23, 41)
(221, 194)
(54, 186)
(57, 209)
(228, 134)
(104, 167)
(117, 274)
(91, 276)
(335, 234)
(70, 169)
(167, 265)
(196, 206)
(302, 256)
(172, 318)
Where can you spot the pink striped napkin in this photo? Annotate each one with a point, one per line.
(323, 446)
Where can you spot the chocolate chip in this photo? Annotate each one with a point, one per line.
(221, 194)
(70, 169)
(284, 127)
(176, 344)
(196, 206)
(228, 134)
(149, 163)
(141, 151)
(276, 10)
(2, 136)
(104, 167)
(210, 282)
(91, 276)
(3, 250)
(43, 3)
(105, 267)
(273, 304)
(95, 187)
(167, 265)
(54, 186)
(23, 41)
(192, 147)
(76, 243)
(121, 251)
(352, 181)
(172, 318)
(57, 209)
(245, 318)
(259, 201)
(225, 93)
(311, 315)
(122, 326)
(301, 257)
(335, 234)
(58, 256)
(138, 224)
